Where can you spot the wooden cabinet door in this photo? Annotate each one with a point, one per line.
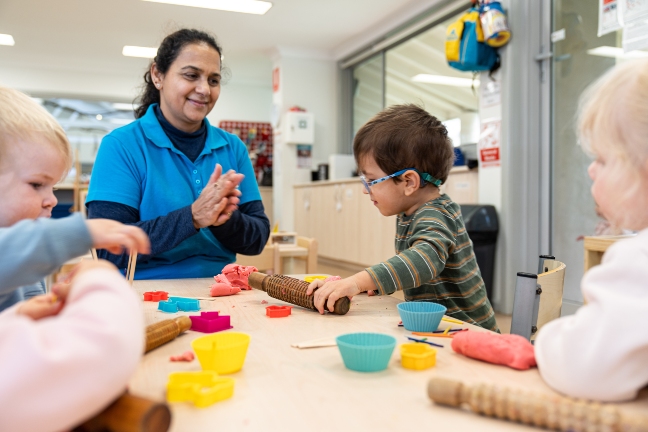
(346, 223)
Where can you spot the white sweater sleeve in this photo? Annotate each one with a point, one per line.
(58, 371)
(601, 352)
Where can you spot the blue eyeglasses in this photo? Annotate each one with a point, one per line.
(425, 177)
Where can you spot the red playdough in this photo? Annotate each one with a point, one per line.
(186, 356)
(237, 275)
(509, 350)
(222, 289)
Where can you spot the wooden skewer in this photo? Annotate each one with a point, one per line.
(93, 252)
(550, 411)
(132, 263)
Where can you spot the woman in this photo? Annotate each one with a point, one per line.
(162, 172)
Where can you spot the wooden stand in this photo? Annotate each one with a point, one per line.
(293, 291)
(533, 408)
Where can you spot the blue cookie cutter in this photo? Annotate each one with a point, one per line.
(176, 304)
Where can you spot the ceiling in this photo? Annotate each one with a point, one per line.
(88, 35)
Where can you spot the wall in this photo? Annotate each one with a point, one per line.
(309, 80)
(247, 102)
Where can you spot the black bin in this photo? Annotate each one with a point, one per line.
(482, 226)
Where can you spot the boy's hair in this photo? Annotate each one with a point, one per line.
(406, 136)
(23, 118)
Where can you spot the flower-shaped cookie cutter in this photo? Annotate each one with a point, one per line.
(202, 388)
(156, 296)
(210, 322)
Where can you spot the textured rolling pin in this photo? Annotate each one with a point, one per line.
(549, 411)
(165, 331)
(293, 291)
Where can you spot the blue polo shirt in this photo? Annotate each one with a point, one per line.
(137, 165)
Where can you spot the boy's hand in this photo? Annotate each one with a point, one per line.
(41, 306)
(332, 291)
(117, 237)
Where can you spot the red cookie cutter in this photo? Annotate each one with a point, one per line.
(278, 311)
(156, 296)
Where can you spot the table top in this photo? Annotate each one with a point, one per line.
(282, 388)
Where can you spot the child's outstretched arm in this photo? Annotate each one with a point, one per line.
(601, 352)
(32, 249)
(334, 290)
(59, 367)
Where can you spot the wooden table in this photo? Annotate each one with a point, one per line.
(595, 247)
(281, 388)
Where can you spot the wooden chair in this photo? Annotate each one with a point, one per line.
(268, 260)
(538, 297)
(311, 258)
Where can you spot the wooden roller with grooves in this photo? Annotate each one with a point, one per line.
(550, 411)
(293, 291)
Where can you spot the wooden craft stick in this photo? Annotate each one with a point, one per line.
(93, 252)
(130, 414)
(132, 262)
(550, 411)
(316, 343)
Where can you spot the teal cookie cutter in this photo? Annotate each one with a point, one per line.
(179, 304)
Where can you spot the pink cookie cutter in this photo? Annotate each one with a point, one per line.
(210, 322)
(156, 296)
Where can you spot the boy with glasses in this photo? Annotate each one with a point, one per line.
(404, 155)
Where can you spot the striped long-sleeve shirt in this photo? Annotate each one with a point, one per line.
(435, 262)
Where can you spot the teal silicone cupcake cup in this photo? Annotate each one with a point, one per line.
(421, 316)
(366, 352)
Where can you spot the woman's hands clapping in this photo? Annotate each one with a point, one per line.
(218, 200)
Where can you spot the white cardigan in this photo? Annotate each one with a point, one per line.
(601, 352)
(58, 371)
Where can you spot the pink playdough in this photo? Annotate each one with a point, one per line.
(186, 356)
(238, 275)
(332, 278)
(223, 289)
(509, 350)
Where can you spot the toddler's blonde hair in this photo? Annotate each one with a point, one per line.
(614, 113)
(22, 118)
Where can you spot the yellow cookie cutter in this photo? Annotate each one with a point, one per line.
(417, 356)
(202, 388)
(311, 278)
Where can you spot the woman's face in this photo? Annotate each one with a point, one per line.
(191, 86)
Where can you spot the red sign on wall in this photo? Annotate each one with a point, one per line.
(489, 143)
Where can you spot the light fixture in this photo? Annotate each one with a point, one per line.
(615, 52)
(120, 106)
(99, 117)
(136, 51)
(6, 39)
(256, 7)
(446, 80)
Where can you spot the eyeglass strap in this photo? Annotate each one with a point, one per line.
(429, 179)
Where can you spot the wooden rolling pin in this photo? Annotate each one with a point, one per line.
(543, 410)
(130, 414)
(293, 291)
(165, 331)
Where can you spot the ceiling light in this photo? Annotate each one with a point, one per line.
(446, 80)
(99, 117)
(615, 52)
(123, 106)
(135, 51)
(245, 6)
(6, 39)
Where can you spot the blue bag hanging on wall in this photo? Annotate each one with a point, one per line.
(465, 45)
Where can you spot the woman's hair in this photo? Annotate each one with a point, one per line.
(21, 118)
(167, 53)
(613, 122)
(405, 136)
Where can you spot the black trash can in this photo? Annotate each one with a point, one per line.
(482, 226)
